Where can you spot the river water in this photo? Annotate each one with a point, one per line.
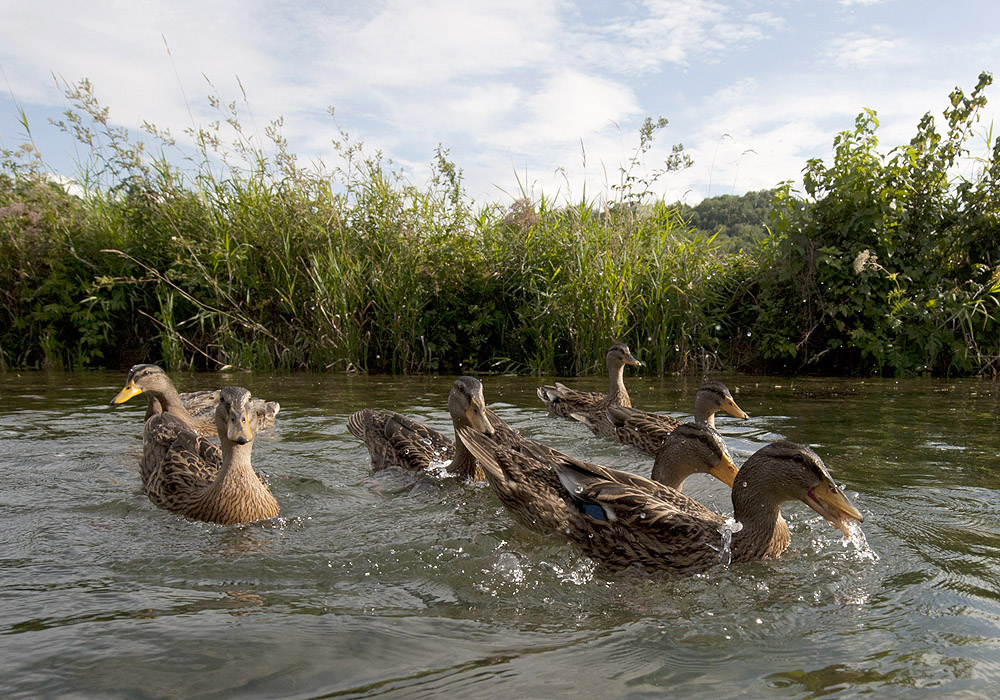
(398, 585)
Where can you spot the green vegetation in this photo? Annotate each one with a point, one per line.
(890, 264)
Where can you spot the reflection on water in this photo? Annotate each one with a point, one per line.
(399, 585)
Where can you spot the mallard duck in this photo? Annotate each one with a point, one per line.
(394, 439)
(620, 519)
(528, 483)
(646, 431)
(196, 408)
(588, 406)
(187, 474)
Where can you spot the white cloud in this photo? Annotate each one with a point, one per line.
(518, 86)
(411, 45)
(864, 50)
(682, 31)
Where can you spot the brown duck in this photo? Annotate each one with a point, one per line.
(589, 407)
(196, 408)
(525, 477)
(620, 519)
(187, 474)
(646, 431)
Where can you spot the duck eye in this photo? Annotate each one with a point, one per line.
(798, 458)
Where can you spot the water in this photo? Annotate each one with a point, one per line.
(401, 586)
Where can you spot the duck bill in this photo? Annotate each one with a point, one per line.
(631, 361)
(830, 502)
(730, 407)
(476, 415)
(125, 394)
(724, 471)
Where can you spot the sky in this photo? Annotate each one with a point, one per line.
(529, 97)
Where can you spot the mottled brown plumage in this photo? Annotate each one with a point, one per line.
(185, 473)
(196, 408)
(530, 489)
(588, 407)
(393, 439)
(646, 431)
(621, 519)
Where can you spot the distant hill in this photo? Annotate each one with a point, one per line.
(739, 220)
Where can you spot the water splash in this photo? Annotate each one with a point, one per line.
(579, 574)
(440, 469)
(857, 538)
(509, 568)
(727, 529)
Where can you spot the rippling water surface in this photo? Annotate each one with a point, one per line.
(403, 586)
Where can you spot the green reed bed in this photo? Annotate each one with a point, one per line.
(238, 256)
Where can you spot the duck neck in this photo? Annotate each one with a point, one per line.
(169, 401)
(617, 394)
(235, 464)
(153, 407)
(237, 495)
(464, 464)
(765, 533)
(704, 408)
(669, 468)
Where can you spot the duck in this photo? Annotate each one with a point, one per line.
(646, 430)
(196, 408)
(588, 407)
(393, 439)
(621, 520)
(528, 483)
(187, 474)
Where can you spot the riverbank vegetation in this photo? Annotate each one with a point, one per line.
(888, 263)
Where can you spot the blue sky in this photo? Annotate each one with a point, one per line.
(543, 95)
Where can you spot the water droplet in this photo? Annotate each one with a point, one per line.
(579, 489)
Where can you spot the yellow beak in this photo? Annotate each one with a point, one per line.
(830, 502)
(732, 409)
(125, 394)
(724, 471)
(478, 420)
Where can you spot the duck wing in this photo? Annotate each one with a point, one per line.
(644, 430)
(393, 439)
